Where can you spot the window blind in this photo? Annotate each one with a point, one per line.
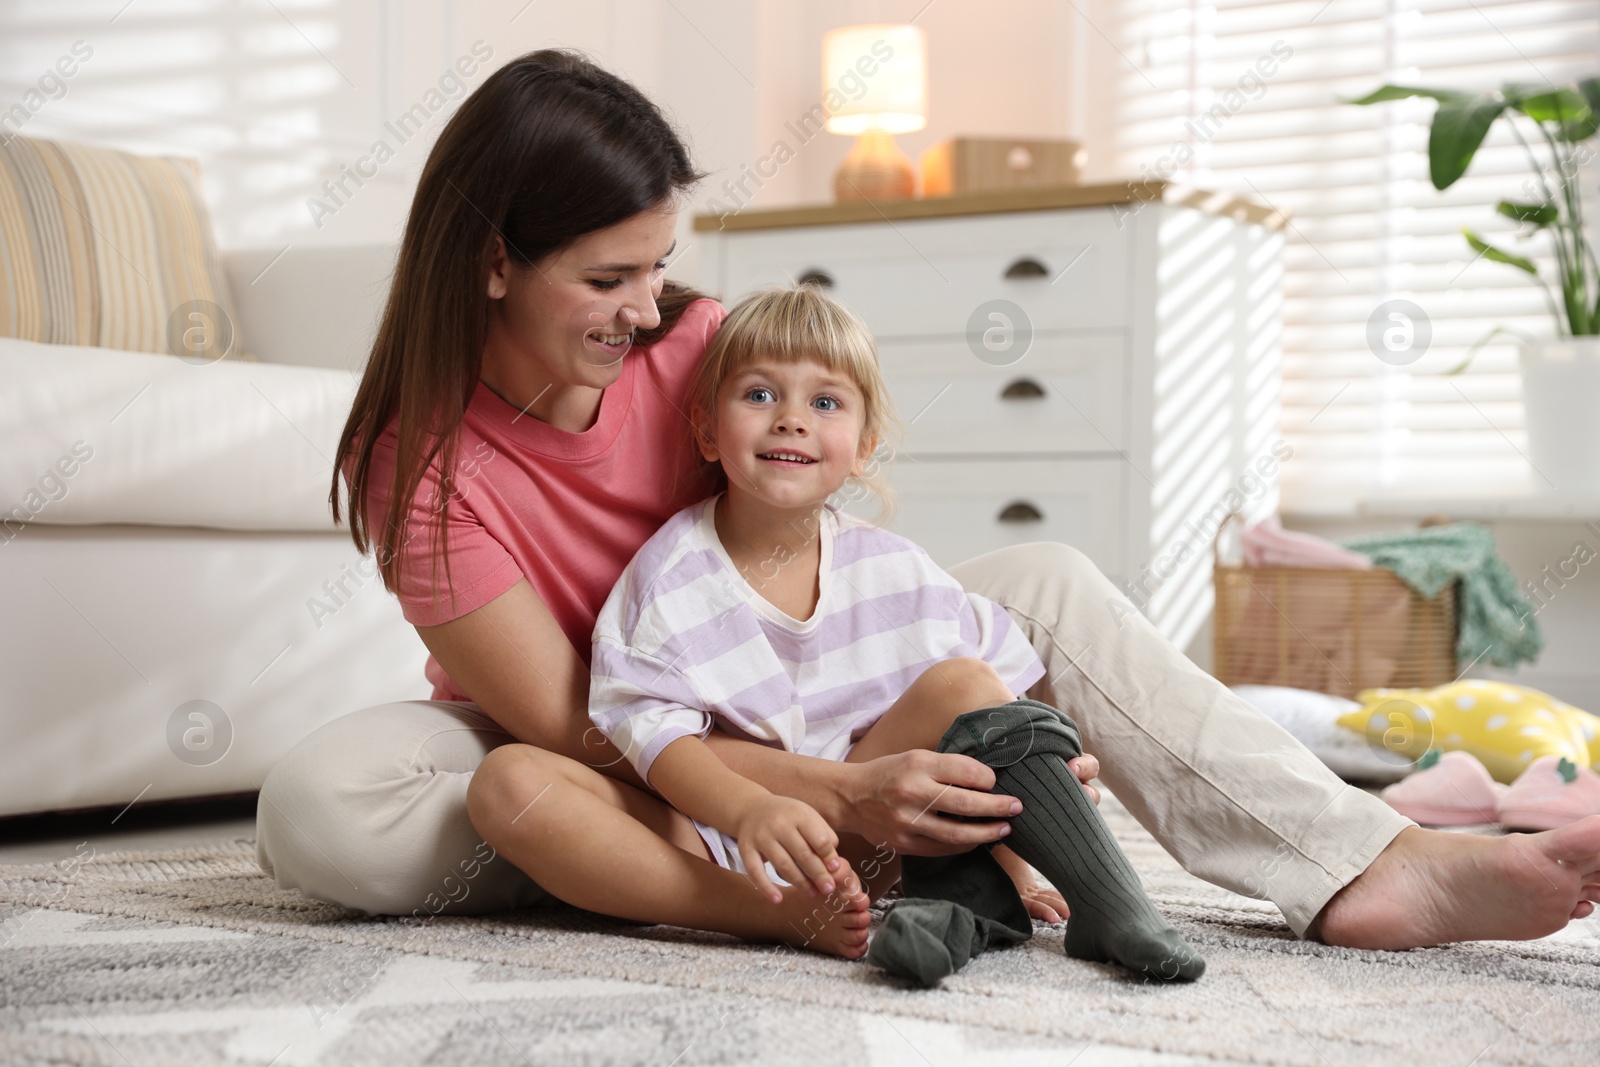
(1248, 95)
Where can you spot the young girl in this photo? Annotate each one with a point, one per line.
(767, 612)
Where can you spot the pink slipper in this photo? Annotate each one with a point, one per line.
(1552, 792)
(1452, 789)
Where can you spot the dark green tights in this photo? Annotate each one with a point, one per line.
(957, 906)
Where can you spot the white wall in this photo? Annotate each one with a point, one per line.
(274, 97)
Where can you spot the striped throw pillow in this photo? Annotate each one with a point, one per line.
(106, 248)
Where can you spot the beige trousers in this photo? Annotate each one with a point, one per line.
(370, 811)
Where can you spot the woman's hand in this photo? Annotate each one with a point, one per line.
(1086, 769)
(790, 835)
(906, 801)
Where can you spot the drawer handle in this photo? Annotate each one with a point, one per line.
(817, 277)
(1021, 511)
(1026, 267)
(1022, 389)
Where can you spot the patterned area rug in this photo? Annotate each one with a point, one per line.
(193, 956)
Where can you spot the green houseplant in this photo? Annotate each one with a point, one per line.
(1561, 377)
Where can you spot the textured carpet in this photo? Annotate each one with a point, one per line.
(193, 956)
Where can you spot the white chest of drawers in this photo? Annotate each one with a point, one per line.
(1148, 389)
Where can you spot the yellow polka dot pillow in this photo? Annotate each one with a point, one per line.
(1505, 726)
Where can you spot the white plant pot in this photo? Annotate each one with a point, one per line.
(1561, 393)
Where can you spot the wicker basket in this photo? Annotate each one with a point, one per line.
(1331, 631)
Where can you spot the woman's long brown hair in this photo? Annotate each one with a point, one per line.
(549, 148)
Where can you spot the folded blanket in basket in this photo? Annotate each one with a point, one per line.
(1496, 621)
(1268, 544)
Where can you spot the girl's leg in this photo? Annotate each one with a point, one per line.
(1241, 803)
(939, 696)
(566, 825)
(918, 720)
(1058, 831)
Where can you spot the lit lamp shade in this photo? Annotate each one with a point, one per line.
(875, 85)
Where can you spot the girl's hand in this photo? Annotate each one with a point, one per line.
(790, 835)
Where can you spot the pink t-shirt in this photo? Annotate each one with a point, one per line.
(566, 511)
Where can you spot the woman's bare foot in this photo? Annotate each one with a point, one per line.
(1429, 887)
(1038, 896)
(836, 924)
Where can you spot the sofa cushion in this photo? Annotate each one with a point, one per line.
(95, 435)
(106, 248)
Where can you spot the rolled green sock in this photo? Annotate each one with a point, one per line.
(1061, 833)
(955, 908)
(926, 940)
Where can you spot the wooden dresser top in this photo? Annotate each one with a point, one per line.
(1045, 198)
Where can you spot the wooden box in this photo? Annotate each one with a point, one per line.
(986, 164)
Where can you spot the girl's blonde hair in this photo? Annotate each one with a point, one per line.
(791, 326)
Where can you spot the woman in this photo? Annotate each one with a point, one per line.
(532, 264)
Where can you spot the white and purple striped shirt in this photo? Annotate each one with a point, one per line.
(684, 643)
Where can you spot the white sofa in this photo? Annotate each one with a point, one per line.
(181, 608)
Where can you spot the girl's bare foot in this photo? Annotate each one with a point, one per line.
(1428, 888)
(1038, 896)
(836, 924)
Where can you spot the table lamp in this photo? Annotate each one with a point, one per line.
(875, 85)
